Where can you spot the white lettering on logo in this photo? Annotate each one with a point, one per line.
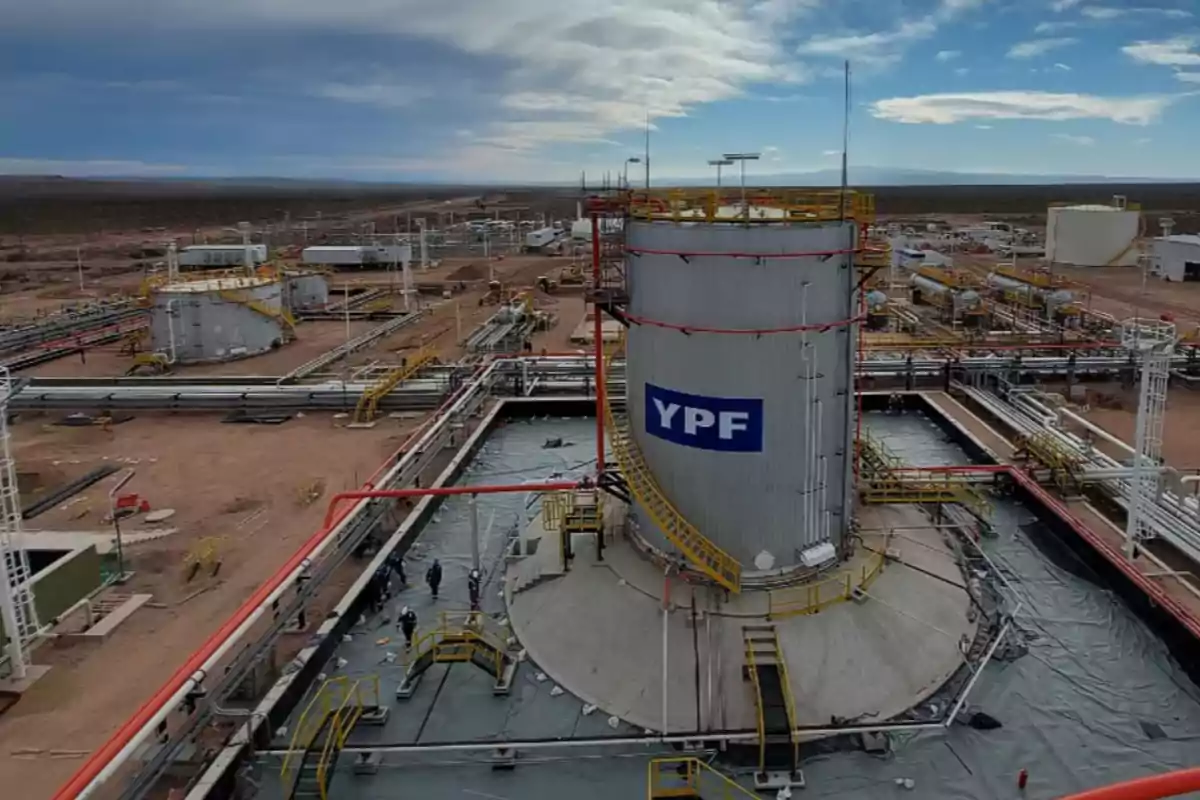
(665, 412)
(732, 422)
(696, 418)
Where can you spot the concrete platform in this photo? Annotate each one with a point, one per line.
(598, 631)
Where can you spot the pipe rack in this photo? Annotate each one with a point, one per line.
(357, 343)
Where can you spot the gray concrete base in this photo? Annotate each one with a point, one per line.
(33, 674)
(598, 631)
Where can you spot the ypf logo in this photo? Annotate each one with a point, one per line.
(729, 424)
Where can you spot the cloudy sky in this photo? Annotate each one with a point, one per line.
(542, 89)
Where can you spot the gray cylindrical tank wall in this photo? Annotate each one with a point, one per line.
(306, 291)
(217, 320)
(763, 484)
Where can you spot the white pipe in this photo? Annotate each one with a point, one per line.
(226, 646)
(1096, 429)
(172, 310)
(806, 399)
(665, 620)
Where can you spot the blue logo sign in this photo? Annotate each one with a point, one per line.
(729, 424)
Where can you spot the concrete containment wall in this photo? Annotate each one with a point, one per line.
(748, 435)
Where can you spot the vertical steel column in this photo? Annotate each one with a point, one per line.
(598, 333)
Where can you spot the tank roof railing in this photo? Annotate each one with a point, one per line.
(762, 206)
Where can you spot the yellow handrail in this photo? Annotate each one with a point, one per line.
(312, 719)
(663, 779)
(789, 701)
(764, 205)
(816, 597)
(368, 404)
(701, 552)
(344, 719)
(752, 668)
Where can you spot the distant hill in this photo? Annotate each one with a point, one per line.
(887, 176)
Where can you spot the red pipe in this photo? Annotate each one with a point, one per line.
(445, 491)
(106, 753)
(1153, 787)
(598, 335)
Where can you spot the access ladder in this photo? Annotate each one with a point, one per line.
(700, 551)
(691, 779)
(322, 731)
(766, 669)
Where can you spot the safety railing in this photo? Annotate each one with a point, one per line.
(363, 694)
(690, 777)
(700, 552)
(812, 598)
(885, 478)
(368, 404)
(759, 206)
(312, 719)
(462, 636)
(1066, 466)
(279, 314)
(760, 716)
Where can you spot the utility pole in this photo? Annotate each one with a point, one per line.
(718, 163)
(742, 158)
(79, 266)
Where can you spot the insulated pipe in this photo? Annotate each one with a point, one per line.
(1096, 429)
(106, 760)
(1153, 787)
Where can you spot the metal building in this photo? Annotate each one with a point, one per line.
(214, 256)
(218, 320)
(749, 435)
(1177, 258)
(371, 256)
(1093, 235)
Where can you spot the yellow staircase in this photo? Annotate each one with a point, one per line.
(368, 405)
(775, 709)
(281, 315)
(1065, 465)
(689, 777)
(321, 733)
(700, 552)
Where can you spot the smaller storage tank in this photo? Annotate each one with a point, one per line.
(195, 322)
(1093, 235)
(305, 291)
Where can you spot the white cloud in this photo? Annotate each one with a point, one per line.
(1061, 66)
(831, 153)
(376, 94)
(1055, 27)
(945, 109)
(1083, 141)
(1188, 77)
(882, 48)
(1175, 52)
(1112, 12)
(1063, 5)
(88, 168)
(984, 127)
(961, 71)
(1038, 47)
(948, 55)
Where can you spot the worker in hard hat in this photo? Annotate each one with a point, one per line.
(433, 576)
(408, 624)
(474, 584)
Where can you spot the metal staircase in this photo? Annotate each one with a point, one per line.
(280, 315)
(462, 637)
(700, 552)
(322, 731)
(368, 405)
(766, 670)
(692, 779)
(17, 610)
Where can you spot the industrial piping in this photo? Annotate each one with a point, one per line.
(105, 761)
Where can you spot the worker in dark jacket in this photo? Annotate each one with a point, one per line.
(408, 624)
(433, 576)
(474, 584)
(395, 562)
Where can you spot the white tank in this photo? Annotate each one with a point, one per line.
(195, 322)
(306, 291)
(1092, 236)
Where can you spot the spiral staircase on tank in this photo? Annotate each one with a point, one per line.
(701, 552)
(280, 315)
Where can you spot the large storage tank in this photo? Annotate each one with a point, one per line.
(1092, 235)
(216, 256)
(196, 322)
(748, 435)
(305, 291)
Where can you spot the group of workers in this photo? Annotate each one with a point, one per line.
(379, 590)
